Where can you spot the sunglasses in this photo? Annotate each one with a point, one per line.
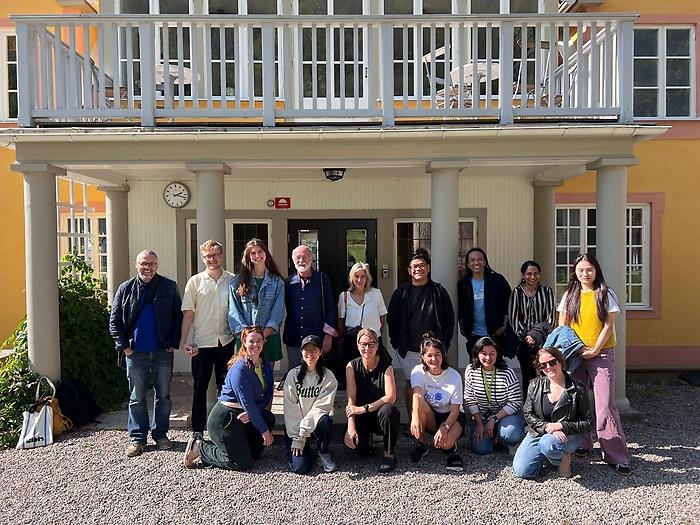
(548, 364)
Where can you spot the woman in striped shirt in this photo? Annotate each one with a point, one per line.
(531, 313)
(494, 399)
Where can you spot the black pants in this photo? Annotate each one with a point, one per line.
(203, 363)
(384, 421)
(526, 356)
(233, 445)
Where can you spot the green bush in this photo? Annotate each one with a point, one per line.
(17, 386)
(87, 349)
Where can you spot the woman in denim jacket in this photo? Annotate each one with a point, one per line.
(257, 298)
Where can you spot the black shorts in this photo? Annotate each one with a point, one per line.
(441, 417)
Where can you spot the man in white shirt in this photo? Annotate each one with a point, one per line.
(205, 313)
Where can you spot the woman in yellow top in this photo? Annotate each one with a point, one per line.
(590, 308)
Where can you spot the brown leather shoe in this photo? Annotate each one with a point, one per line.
(191, 453)
(133, 450)
(164, 443)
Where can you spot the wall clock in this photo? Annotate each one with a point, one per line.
(176, 194)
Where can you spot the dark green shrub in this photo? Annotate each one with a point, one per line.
(87, 349)
(17, 386)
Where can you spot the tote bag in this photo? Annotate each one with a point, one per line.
(37, 426)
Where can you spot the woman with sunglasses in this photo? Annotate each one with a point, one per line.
(494, 399)
(371, 391)
(556, 410)
(239, 425)
(590, 308)
(257, 298)
(308, 396)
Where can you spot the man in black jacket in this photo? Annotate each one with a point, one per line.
(145, 324)
(415, 308)
(482, 301)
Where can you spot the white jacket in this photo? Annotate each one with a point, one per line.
(305, 404)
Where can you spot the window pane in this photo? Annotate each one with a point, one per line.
(11, 48)
(355, 246)
(646, 103)
(646, 42)
(176, 7)
(561, 217)
(437, 7)
(398, 7)
(646, 72)
(12, 76)
(312, 7)
(262, 7)
(12, 97)
(562, 256)
(194, 249)
(574, 217)
(347, 7)
(636, 215)
(677, 102)
(561, 237)
(484, 7)
(635, 295)
(678, 42)
(134, 6)
(523, 6)
(223, 7)
(678, 72)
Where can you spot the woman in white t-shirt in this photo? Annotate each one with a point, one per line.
(360, 306)
(437, 404)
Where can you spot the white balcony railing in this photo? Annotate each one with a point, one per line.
(280, 70)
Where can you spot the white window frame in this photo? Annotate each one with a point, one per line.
(583, 227)
(662, 58)
(4, 78)
(232, 259)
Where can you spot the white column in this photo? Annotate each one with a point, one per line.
(544, 223)
(210, 220)
(41, 254)
(118, 260)
(210, 202)
(444, 240)
(611, 204)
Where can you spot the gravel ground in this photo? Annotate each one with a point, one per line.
(85, 478)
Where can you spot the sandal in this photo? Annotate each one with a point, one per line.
(387, 465)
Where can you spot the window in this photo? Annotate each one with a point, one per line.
(576, 233)
(663, 72)
(412, 234)
(8, 76)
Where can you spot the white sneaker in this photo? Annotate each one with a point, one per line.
(326, 462)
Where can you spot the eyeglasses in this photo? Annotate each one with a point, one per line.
(147, 264)
(363, 344)
(211, 256)
(548, 364)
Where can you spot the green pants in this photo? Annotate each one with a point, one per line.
(233, 445)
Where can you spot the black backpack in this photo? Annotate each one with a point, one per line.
(76, 401)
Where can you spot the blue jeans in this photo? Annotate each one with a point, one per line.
(510, 430)
(304, 463)
(533, 451)
(138, 364)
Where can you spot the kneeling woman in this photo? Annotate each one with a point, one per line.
(494, 398)
(239, 424)
(556, 410)
(437, 403)
(371, 391)
(309, 392)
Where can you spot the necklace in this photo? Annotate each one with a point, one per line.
(367, 367)
(359, 299)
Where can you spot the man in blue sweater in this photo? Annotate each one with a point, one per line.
(308, 296)
(145, 324)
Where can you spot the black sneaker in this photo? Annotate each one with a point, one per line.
(581, 452)
(454, 463)
(623, 469)
(419, 452)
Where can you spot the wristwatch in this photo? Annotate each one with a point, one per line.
(495, 418)
(366, 408)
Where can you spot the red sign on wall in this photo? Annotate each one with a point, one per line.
(283, 203)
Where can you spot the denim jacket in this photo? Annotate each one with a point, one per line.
(263, 306)
(565, 339)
